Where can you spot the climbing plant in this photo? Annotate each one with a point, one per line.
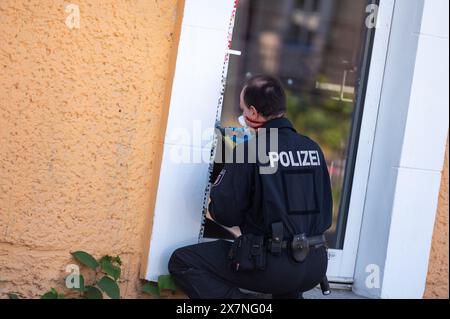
(164, 283)
(107, 268)
(106, 272)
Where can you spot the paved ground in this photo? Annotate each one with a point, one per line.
(335, 294)
(317, 294)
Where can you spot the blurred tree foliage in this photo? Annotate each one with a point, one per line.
(327, 120)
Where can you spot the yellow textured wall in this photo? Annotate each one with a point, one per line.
(81, 116)
(437, 281)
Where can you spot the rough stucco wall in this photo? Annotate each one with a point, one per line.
(437, 280)
(80, 122)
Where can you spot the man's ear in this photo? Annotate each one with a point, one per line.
(253, 111)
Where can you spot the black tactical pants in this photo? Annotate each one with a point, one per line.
(203, 271)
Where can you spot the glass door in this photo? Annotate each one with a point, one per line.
(323, 51)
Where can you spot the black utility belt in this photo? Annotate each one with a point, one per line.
(275, 246)
(249, 252)
(298, 248)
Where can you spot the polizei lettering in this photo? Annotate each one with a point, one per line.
(295, 158)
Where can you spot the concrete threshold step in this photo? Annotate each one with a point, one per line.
(316, 293)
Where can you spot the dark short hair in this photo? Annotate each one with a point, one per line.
(266, 94)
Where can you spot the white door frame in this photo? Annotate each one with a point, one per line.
(342, 262)
(408, 154)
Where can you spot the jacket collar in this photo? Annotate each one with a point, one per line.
(279, 123)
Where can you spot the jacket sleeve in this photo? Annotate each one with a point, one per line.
(231, 194)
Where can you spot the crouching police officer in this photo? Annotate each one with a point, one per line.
(282, 204)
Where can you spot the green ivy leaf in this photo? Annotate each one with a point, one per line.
(52, 294)
(110, 287)
(117, 260)
(151, 288)
(106, 263)
(165, 282)
(49, 295)
(86, 259)
(13, 296)
(93, 293)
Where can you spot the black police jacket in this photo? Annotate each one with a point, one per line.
(290, 178)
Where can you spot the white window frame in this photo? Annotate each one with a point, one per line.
(342, 262)
(408, 154)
